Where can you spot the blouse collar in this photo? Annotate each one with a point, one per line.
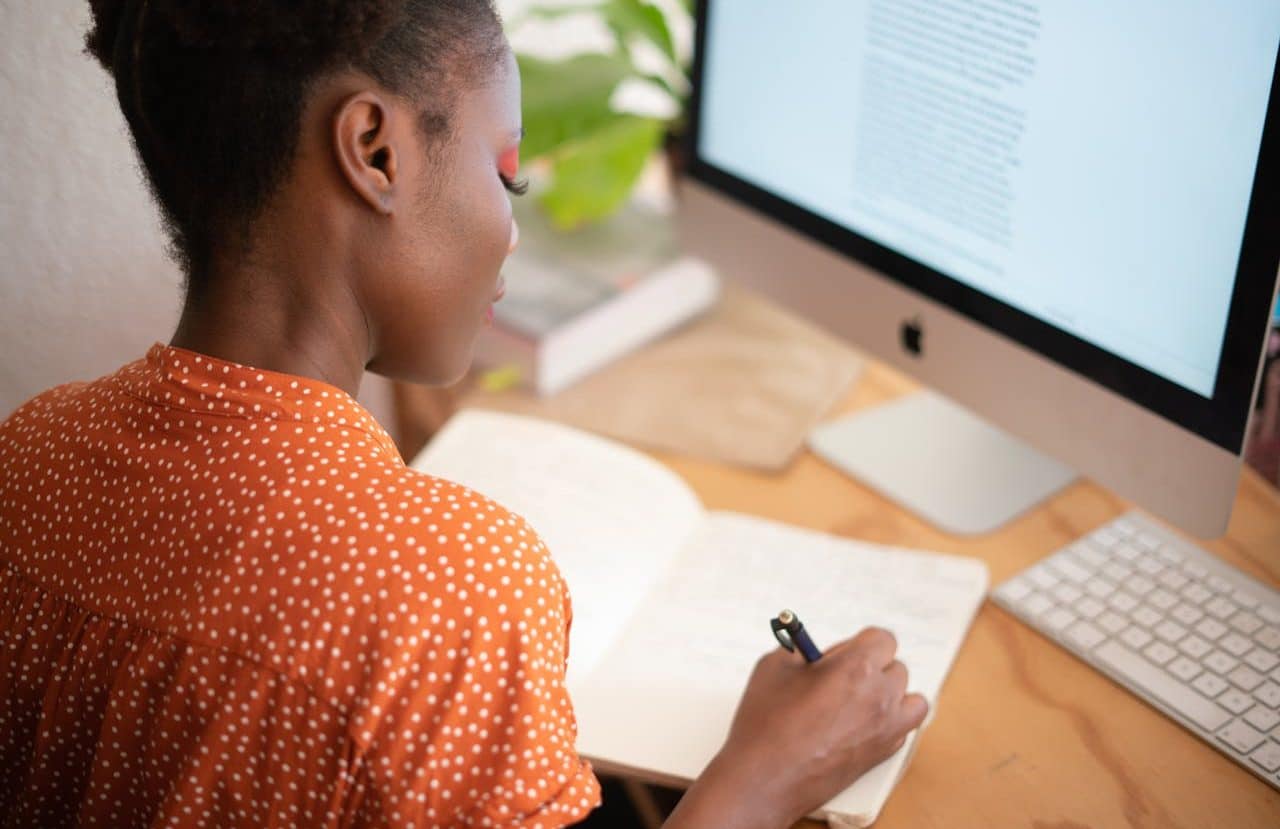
(182, 379)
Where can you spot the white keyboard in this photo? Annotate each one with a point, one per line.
(1188, 633)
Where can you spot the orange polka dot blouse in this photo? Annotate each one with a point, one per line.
(225, 601)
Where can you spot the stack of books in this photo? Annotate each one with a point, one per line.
(577, 300)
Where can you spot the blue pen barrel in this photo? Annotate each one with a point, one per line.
(804, 644)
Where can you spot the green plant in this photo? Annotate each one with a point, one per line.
(589, 150)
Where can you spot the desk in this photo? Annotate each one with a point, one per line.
(1026, 735)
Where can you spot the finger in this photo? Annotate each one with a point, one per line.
(778, 654)
(875, 645)
(896, 676)
(912, 711)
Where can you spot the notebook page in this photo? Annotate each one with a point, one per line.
(664, 696)
(611, 517)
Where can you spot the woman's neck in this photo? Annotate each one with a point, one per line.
(282, 313)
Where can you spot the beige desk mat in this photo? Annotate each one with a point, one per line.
(743, 384)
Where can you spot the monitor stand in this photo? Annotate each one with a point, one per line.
(941, 462)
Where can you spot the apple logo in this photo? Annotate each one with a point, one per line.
(912, 336)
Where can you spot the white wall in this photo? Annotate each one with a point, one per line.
(85, 285)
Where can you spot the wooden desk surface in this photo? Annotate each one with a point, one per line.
(1027, 735)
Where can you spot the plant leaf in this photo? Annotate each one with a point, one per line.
(627, 17)
(565, 100)
(595, 175)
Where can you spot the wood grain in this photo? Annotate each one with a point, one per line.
(1025, 734)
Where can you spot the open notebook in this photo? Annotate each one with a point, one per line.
(672, 603)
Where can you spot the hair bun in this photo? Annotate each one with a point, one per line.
(101, 39)
(262, 26)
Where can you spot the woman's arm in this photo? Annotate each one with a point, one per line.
(802, 733)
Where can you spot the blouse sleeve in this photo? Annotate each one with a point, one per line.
(476, 728)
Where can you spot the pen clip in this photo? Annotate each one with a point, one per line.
(782, 634)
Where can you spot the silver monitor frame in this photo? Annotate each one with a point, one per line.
(1168, 470)
(1173, 452)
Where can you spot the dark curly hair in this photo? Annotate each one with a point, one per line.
(213, 91)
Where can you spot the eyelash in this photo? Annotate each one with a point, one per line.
(514, 186)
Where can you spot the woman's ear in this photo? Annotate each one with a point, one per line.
(366, 153)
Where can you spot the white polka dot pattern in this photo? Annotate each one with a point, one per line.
(226, 601)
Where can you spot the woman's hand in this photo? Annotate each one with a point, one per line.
(803, 732)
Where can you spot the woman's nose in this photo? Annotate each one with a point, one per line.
(515, 237)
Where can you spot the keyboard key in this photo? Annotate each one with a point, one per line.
(1139, 585)
(1269, 613)
(1245, 599)
(1261, 660)
(1066, 593)
(1148, 541)
(1235, 701)
(1058, 619)
(1269, 638)
(1170, 631)
(1194, 569)
(1042, 578)
(1211, 629)
(1218, 584)
(1267, 756)
(1128, 552)
(1220, 663)
(1262, 718)
(1037, 603)
(1146, 616)
(1101, 588)
(1196, 592)
(1173, 579)
(1116, 571)
(1014, 591)
(1184, 669)
(1240, 736)
(1162, 686)
(1122, 601)
(1113, 623)
(1187, 614)
(1169, 554)
(1245, 677)
(1210, 685)
(1069, 569)
(1194, 647)
(1235, 644)
(1159, 653)
(1135, 637)
(1085, 635)
(1124, 527)
(1245, 622)
(1150, 566)
(1089, 554)
(1106, 536)
(1221, 607)
(1268, 694)
(1089, 607)
(1161, 599)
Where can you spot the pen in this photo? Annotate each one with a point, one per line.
(790, 633)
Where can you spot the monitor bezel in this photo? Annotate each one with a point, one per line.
(1221, 419)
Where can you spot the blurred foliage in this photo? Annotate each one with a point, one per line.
(593, 153)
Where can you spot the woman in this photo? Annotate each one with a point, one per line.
(225, 600)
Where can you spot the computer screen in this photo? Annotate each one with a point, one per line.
(1089, 163)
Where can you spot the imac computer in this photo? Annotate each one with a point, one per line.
(1063, 215)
